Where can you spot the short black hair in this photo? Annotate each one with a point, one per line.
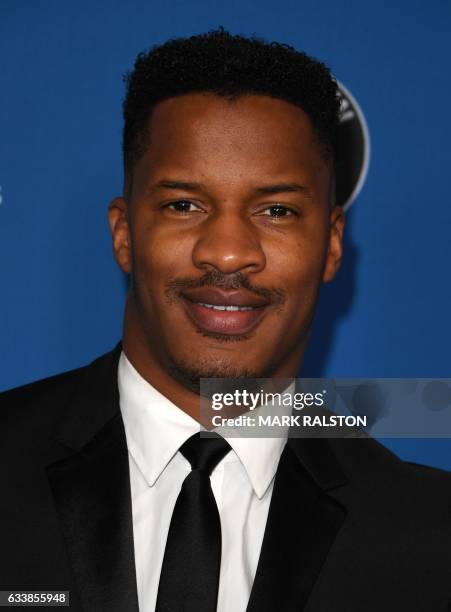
(229, 66)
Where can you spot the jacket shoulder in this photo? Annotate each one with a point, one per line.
(38, 407)
(39, 388)
(37, 404)
(380, 474)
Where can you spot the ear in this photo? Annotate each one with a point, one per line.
(120, 231)
(335, 249)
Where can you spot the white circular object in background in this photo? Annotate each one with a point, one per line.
(353, 150)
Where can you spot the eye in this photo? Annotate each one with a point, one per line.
(183, 206)
(277, 211)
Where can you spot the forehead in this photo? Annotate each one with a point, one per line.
(249, 136)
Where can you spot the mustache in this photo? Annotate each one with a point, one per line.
(215, 278)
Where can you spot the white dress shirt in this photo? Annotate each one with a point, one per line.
(242, 484)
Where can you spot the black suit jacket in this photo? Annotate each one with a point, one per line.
(351, 528)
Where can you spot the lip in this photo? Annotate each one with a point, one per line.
(220, 297)
(224, 321)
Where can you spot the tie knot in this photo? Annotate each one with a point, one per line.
(204, 453)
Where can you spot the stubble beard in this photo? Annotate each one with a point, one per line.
(189, 375)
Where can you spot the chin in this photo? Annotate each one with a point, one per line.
(188, 374)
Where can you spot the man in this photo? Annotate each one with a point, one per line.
(227, 227)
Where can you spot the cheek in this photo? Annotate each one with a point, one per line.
(297, 267)
(298, 261)
(160, 255)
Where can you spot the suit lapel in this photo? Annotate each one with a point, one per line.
(91, 490)
(302, 523)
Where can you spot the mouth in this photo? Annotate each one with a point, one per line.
(221, 312)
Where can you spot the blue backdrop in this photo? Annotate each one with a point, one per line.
(387, 315)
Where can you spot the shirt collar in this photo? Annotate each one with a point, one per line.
(156, 429)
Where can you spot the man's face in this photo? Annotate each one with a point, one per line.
(227, 232)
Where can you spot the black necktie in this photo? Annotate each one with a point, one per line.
(190, 574)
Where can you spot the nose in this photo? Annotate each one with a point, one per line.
(229, 243)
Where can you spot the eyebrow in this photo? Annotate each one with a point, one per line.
(166, 184)
(285, 188)
(265, 189)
